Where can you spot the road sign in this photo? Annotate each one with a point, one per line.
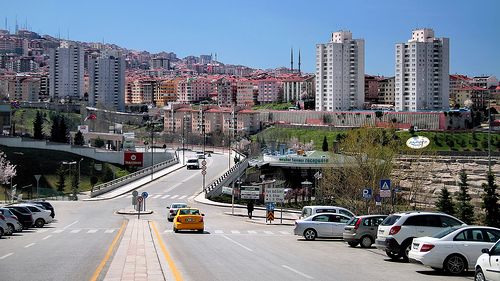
(139, 199)
(270, 215)
(378, 198)
(385, 184)
(203, 162)
(385, 193)
(135, 193)
(204, 168)
(227, 190)
(397, 190)
(367, 193)
(203, 172)
(274, 195)
(144, 195)
(250, 192)
(270, 207)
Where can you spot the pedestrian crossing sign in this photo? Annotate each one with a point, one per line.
(385, 184)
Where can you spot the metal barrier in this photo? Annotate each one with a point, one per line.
(215, 187)
(110, 185)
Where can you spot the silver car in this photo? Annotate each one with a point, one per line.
(173, 210)
(328, 225)
(362, 230)
(13, 224)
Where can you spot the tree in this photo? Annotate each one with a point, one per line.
(7, 170)
(75, 181)
(463, 207)
(54, 131)
(490, 201)
(79, 140)
(325, 144)
(37, 127)
(107, 173)
(445, 202)
(61, 174)
(63, 131)
(98, 142)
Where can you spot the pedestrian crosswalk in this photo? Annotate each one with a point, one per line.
(242, 232)
(77, 230)
(163, 196)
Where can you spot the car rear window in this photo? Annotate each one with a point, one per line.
(444, 232)
(352, 221)
(326, 211)
(390, 220)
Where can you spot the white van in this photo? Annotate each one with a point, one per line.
(193, 163)
(312, 210)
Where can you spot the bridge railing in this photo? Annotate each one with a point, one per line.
(231, 175)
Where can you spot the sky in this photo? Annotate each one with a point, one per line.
(260, 34)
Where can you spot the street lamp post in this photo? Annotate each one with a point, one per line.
(69, 165)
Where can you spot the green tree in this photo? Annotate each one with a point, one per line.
(61, 174)
(445, 202)
(325, 144)
(463, 207)
(98, 142)
(54, 131)
(490, 201)
(75, 182)
(37, 127)
(63, 131)
(79, 140)
(107, 173)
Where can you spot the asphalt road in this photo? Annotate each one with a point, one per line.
(231, 248)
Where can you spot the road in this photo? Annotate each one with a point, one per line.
(231, 248)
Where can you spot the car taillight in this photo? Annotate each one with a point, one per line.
(14, 217)
(31, 216)
(295, 223)
(3, 218)
(357, 224)
(171, 211)
(394, 230)
(178, 219)
(201, 219)
(426, 247)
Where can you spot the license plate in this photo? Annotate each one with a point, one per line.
(189, 219)
(415, 246)
(380, 232)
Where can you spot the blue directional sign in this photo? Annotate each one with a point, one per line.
(367, 193)
(385, 184)
(270, 207)
(144, 194)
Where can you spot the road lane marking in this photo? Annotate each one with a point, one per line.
(218, 231)
(29, 245)
(285, 232)
(108, 254)
(70, 225)
(58, 231)
(183, 196)
(109, 231)
(156, 196)
(165, 196)
(235, 231)
(92, 231)
(75, 231)
(268, 232)
(244, 247)
(42, 230)
(175, 272)
(46, 237)
(3, 257)
(252, 232)
(298, 272)
(173, 197)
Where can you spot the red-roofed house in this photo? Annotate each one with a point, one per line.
(461, 97)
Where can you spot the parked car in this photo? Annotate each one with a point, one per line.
(362, 230)
(330, 225)
(193, 163)
(41, 216)
(189, 219)
(488, 264)
(395, 234)
(200, 155)
(312, 210)
(46, 205)
(3, 225)
(13, 224)
(173, 210)
(454, 249)
(23, 214)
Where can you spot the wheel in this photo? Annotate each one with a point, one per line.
(366, 242)
(200, 230)
(1, 232)
(310, 234)
(352, 244)
(479, 275)
(405, 250)
(169, 219)
(455, 264)
(176, 230)
(10, 229)
(393, 255)
(39, 223)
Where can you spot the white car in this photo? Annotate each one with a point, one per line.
(488, 264)
(41, 216)
(328, 225)
(453, 249)
(173, 210)
(13, 224)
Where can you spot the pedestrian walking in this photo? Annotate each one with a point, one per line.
(250, 208)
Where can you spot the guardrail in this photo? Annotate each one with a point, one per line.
(110, 185)
(215, 187)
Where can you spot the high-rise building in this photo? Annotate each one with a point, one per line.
(66, 73)
(107, 80)
(340, 73)
(422, 73)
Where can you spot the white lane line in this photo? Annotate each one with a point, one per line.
(92, 231)
(29, 245)
(156, 196)
(182, 197)
(168, 231)
(58, 231)
(46, 237)
(70, 225)
(75, 231)
(173, 197)
(285, 232)
(3, 257)
(165, 196)
(246, 248)
(109, 231)
(252, 232)
(42, 230)
(235, 231)
(217, 231)
(269, 232)
(298, 272)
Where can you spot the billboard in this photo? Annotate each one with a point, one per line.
(133, 159)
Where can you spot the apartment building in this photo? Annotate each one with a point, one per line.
(66, 73)
(386, 91)
(24, 88)
(226, 91)
(167, 91)
(193, 90)
(469, 96)
(295, 88)
(340, 70)
(371, 89)
(107, 80)
(268, 90)
(246, 92)
(422, 72)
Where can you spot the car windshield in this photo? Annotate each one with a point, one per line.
(189, 212)
(444, 232)
(390, 220)
(176, 206)
(192, 161)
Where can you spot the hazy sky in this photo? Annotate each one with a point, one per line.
(260, 34)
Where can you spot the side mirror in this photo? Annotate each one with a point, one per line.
(202, 215)
(485, 250)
